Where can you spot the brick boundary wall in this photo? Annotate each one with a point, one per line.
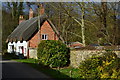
(77, 56)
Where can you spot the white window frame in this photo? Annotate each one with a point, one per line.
(45, 37)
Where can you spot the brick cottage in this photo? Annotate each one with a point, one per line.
(29, 33)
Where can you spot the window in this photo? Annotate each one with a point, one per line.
(21, 49)
(21, 41)
(44, 37)
(12, 48)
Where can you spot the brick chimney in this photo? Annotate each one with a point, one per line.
(21, 19)
(30, 13)
(42, 10)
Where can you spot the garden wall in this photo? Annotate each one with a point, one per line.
(33, 53)
(77, 56)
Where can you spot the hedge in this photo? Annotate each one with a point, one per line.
(53, 53)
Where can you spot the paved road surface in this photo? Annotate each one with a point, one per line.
(12, 69)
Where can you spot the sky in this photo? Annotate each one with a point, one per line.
(26, 8)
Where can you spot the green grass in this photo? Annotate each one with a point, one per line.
(53, 72)
(71, 72)
(26, 60)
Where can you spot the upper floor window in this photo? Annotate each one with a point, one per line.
(44, 37)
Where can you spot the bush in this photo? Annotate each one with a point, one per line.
(53, 53)
(9, 56)
(106, 66)
(88, 68)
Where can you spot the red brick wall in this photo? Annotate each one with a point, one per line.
(45, 29)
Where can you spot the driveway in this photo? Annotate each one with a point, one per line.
(17, 70)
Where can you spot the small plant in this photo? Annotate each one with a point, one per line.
(53, 53)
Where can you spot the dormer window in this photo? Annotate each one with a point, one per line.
(44, 37)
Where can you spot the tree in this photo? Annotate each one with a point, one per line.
(107, 14)
(10, 19)
(99, 21)
(8, 25)
(16, 9)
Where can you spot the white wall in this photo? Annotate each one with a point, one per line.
(16, 47)
(9, 48)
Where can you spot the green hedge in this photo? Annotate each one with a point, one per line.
(106, 66)
(53, 53)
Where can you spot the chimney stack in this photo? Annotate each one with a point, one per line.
(30, 13)
(42, 10)
(21, 19)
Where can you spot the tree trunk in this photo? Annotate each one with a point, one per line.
(39, 23)
(83, 26)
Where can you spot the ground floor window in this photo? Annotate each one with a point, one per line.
(12, 48)
(21, 49)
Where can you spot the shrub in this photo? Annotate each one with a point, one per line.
(10, 56)
(88, 68)
(106, 66)
(53, 53)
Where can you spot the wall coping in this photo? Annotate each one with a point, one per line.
(91, 50)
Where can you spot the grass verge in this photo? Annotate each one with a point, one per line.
(53, 72)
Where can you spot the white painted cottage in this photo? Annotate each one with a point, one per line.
(18, 47)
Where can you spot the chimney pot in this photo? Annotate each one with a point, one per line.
(21, 19)
(30, 13)
(42, 10)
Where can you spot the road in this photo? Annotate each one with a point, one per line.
(17, 70)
